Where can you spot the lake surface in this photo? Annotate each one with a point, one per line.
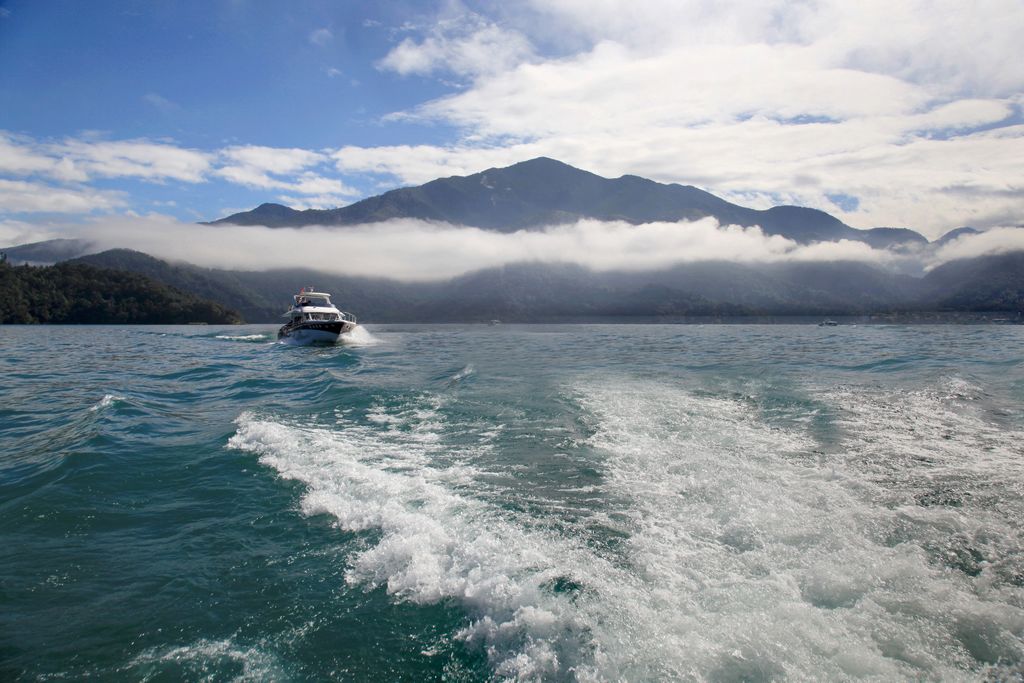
(541, 502)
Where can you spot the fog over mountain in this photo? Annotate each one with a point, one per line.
(416, 250)
(536, 211)
(542, 239)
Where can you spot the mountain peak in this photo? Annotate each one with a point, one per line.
(542, 162)
(270, 207)
(268, 214)
(542, 167)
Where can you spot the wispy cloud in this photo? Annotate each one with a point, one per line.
(417, 164)
(322, 201)
(77, 161)
(321, 37)
(18, 196)
(160, 102)
(130, 158)
(281, 169)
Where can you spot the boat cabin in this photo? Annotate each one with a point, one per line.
(313, 299)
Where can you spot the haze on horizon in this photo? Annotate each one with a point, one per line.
(415, 250)
(139, 123)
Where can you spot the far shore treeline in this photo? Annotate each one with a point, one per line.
(84, 294)
(126, 287)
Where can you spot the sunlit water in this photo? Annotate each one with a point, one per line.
(591, 502)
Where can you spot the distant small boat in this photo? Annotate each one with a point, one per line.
(314, 319)
(827, 323)
(494, 322)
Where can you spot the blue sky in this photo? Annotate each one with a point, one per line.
(207, 73)
(897, 114)
(207, 76)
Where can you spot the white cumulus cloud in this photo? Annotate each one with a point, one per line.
(466, 45)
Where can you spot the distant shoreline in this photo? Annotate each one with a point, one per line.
(920, 318)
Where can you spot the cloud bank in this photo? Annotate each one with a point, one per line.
(412, 250)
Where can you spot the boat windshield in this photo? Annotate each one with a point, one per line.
(308, 300)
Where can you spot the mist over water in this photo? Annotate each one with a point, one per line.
(416, 250)
(588, 502)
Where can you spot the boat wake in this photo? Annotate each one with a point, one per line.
(246, 337)
(743, 550)
(435, 543)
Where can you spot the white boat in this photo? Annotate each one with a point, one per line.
(827, 323)
(313, 319)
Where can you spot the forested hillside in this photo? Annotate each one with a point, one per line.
(80, 293)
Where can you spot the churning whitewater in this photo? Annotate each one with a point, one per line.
(740, 551)
(728, 503)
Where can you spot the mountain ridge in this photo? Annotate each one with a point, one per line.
(543, 191)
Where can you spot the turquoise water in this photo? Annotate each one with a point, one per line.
(583, 502)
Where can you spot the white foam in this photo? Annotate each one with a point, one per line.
(244, 337)
(753, 544)
(436, 543)
(936, 431)
(359, 336)
(749, 554)
(460, 375)
(106, 402)
(207, 660)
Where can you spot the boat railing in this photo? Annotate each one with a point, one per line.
(330, 317)
(322, 317)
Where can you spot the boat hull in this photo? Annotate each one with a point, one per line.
(316, 332)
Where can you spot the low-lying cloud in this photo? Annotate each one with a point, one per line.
(994, 241)
(416, 250)
(412, 250)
